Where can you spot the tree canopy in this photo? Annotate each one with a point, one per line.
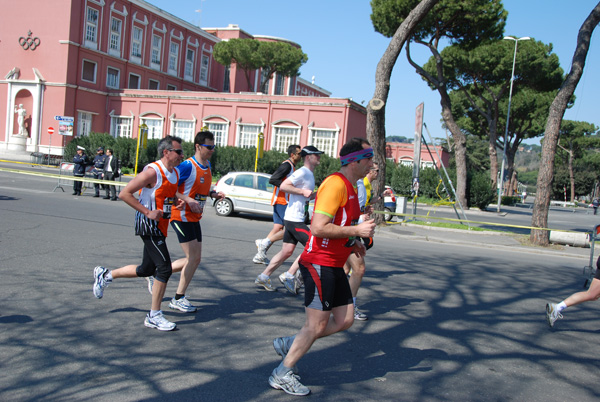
(479, 82)
(466, 23)
(251, 54)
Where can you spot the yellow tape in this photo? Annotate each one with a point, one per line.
(64, 177)
(469, 221)
(28, 163)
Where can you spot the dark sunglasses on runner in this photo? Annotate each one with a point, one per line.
(177, 151)
(209, 147)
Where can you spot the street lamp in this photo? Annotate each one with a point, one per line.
(512, 77)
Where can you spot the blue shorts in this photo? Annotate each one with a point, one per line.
(279, 213)
(187, 231)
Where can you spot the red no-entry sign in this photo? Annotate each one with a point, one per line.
(50, 130)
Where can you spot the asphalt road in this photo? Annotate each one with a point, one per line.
(448, 322)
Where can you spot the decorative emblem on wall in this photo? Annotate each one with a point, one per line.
(29, 42)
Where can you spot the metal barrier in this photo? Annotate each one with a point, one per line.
(65, 173)
(38, 158)
(589, 271)
(65, 177)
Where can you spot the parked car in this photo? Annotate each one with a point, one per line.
(244, 192)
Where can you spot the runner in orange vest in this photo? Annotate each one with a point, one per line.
(157, 187)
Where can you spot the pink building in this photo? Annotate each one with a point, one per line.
(403, 153)
(111, 66)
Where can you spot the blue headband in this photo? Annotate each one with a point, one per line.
(364, 153)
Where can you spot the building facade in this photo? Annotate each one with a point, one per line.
(402, 153)
(111, 66)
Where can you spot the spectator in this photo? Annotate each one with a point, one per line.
(111, 172)
(98, 170)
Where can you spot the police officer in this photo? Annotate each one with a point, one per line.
(80, 161)
(98, 170)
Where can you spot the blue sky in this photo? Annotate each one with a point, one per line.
(343, 48)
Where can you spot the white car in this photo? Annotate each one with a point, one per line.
(244, 192)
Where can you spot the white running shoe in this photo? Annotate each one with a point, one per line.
(182, 304)
(359, 315)
(552, 313)
(100, 282)
(289, 283)
(261, 259)
(150, 280)
(159, 322)
(288, 383)
(260, 246)
(282, 347)
(265, 284)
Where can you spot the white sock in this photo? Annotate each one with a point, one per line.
(263, 277)
(354, 301)
(266, 242)
(561, 306)
(108, 277)
(288, 275)
(154, 313)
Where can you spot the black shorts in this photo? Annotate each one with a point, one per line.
(156, 261)
(187, 231)
(295, 232)
(324, 287)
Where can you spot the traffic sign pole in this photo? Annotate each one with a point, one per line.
(50, 132)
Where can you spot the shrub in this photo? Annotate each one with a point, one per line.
(481, 193)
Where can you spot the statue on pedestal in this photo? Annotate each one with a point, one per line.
(21, 114)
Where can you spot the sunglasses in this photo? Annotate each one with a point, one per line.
(177, 151)
(209, 147)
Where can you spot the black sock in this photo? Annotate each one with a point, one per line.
(178, 296)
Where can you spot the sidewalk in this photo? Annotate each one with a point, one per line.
(489, 239)
(17, 156)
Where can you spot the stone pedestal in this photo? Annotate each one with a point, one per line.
(17, 143)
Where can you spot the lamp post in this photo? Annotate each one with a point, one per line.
(512, 77)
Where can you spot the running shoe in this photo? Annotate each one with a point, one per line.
(282, 347)
(552, 314)
(288, 383)
(289, 283)
(100, 282)
(182, 304)
(265, 284)
(159, 322)
(260, 246)
(150, 280)
(261, 259)
(359, 315)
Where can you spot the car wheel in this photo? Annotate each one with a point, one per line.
(388, 215)
(224, 207)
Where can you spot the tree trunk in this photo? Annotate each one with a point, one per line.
(493, 158)
(460, 147)
(541, 204)
(376, 106)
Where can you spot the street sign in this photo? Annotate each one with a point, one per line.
(64, 118)
(50, 130)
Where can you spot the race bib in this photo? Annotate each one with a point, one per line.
(167, 207)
